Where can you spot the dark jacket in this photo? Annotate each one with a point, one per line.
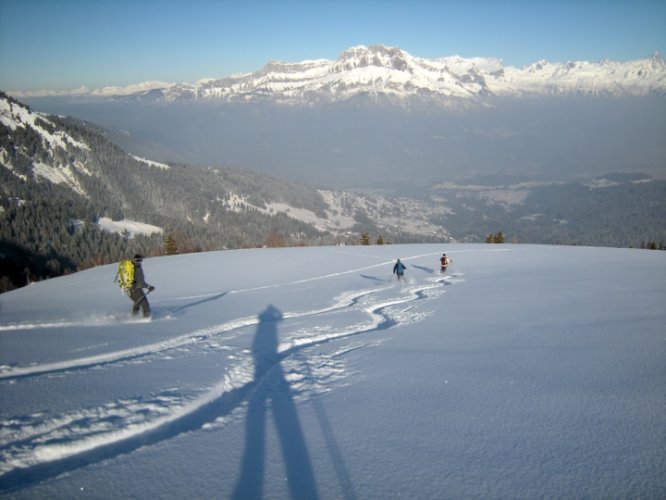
(399, 268)
(139, 280)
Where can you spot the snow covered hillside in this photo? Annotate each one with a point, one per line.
(522, 372)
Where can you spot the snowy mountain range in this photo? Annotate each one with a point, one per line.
(389, 72)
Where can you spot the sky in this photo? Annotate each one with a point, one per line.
(68, 44)
(327, 378)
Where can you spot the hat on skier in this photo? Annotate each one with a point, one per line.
(137, 259)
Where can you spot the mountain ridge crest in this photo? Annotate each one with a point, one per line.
(380, 70)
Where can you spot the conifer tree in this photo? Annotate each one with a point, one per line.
(495, 238)
(170, 247)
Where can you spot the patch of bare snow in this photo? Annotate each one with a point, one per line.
(600, 183)
(59, 176)
(15, 115)
(132, 227)
(151, 163)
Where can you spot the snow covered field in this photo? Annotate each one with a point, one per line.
(523, 372)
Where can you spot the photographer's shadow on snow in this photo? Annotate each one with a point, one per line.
(272, 394)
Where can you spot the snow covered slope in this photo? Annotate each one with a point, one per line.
(522, 372)
(54, 140)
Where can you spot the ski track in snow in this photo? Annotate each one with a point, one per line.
(30, 443)
(104, 320)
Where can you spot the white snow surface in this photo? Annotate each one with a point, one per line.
(522, 372)
(131, 226)
(152, 163)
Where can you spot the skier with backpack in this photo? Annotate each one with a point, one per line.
(131, 279)
(399, 269)
(445, 261)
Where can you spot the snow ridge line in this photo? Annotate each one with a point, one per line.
(33, 453)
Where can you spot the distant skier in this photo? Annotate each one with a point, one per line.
(445, 261)
(399, 269)
(135, 292)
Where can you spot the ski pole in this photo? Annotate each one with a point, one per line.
(137, 302)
